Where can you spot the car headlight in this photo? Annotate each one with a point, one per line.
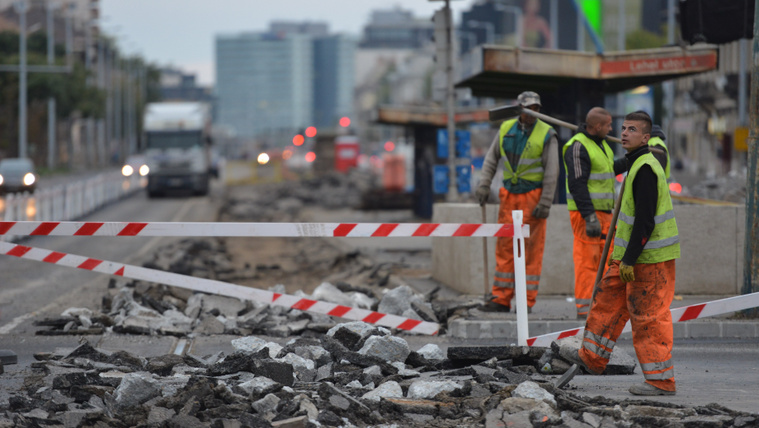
(1, 179)
(144, 170)
(29, 179)
(127, 170)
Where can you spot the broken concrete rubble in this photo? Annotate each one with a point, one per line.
(265, 384)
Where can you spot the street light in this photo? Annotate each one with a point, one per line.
(489, 29)
(517, 20)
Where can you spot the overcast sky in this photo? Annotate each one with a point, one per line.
(181, 32)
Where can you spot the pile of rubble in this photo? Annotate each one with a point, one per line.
(140, 307)
(354, 375)
(283, 201)
(729, 188)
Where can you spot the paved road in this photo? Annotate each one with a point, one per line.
(708, 371)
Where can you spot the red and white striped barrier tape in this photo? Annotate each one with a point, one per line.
(685, 313)
(348, 230)
(218, 287)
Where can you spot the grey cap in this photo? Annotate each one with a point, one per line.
(528, 98)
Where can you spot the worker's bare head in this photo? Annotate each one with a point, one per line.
(598, 122)
(636, 130)
(529, 100)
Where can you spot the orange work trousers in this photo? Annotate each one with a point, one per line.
(586, 254)
(645, 302)
(503, 284)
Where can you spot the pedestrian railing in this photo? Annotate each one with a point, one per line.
(68, 201)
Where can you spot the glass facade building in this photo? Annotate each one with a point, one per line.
(264, 84)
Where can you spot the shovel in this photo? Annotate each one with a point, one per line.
(508, 112)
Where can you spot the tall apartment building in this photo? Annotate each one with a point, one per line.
(264, 84)
(272, 85)
(334, 79)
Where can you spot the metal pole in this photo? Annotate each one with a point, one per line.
(21, 8)
(669, 87)
(452, 190)
(751, 246)
(102, 146)
(108, 75)
(742, 83)
(117, 105)
(621, 39)
(88, 66)
(50, 101)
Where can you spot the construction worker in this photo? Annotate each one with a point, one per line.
(528, 148)
(639, 285)
(590, 167)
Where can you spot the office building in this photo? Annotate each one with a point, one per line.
(265, 84)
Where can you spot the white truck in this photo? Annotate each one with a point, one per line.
(177, 147)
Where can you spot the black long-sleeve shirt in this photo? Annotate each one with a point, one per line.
(645, 196)
(578, 165)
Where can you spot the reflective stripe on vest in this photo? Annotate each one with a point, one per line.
(601, 179)
(530, 165)
(657, 141)
(664, 242)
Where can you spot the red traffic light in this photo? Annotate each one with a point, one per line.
(311, 131)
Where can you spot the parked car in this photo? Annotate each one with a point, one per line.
(17, 175)
(135, 164)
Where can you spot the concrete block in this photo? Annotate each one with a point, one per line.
(680, 330)
(472, 330)
(565, 325)
(739, 329)
(504, 329)
(704, 329)
(536, 328)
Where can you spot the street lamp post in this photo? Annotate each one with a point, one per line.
(50, 101)
(21, 8)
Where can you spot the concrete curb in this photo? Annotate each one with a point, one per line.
(507, 329)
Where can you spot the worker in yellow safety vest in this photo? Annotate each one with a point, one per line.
(528, 149)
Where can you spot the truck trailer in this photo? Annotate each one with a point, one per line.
(178, 147)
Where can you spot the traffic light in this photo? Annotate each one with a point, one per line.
(716, 21)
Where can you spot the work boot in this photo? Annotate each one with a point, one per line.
(495, 307)
(574, 358)
(648, 389)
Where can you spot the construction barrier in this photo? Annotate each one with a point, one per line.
(36, 228)
(279, 230)
(217, 287)
(685, 313)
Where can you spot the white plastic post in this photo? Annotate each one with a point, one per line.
(520, 279)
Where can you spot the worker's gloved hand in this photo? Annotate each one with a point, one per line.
(541, 211)
(592, 226)
(482, 193)
(626, 273)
